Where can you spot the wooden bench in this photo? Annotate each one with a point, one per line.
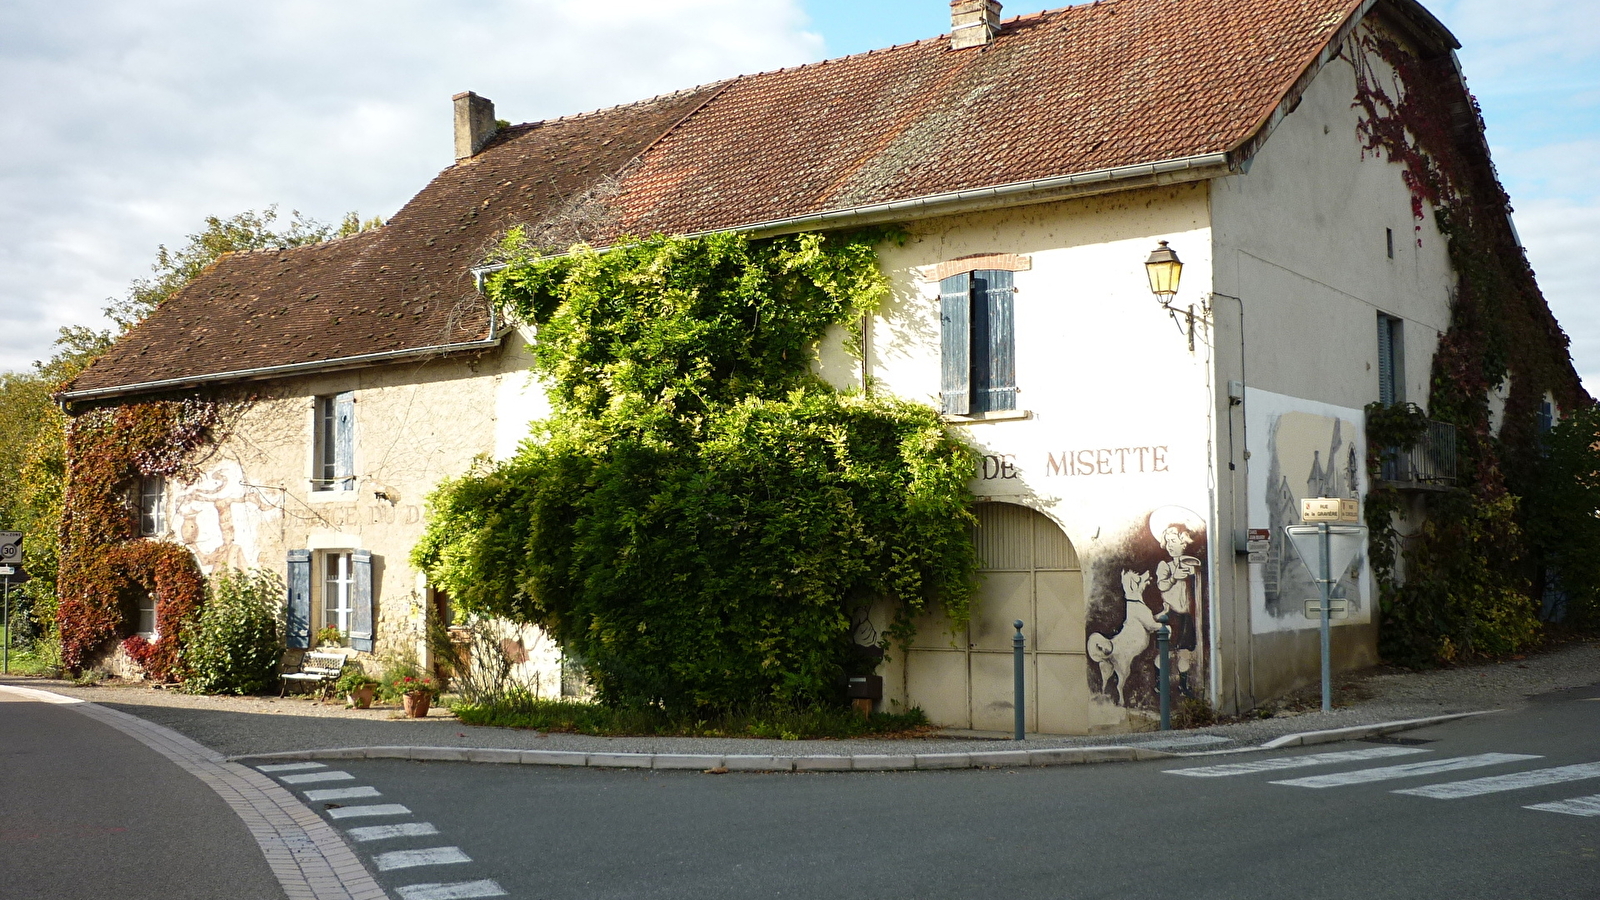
(313, 667)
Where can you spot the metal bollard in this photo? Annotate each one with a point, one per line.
(1017, 645)
(1163, 639)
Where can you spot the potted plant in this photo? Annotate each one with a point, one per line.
(416, 693)
(357, 686)
(329, 637)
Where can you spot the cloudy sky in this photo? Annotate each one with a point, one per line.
(123, 124)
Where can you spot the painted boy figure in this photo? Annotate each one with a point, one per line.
(1173, 581)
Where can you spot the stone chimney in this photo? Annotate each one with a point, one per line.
(474, 124)
(973, 23)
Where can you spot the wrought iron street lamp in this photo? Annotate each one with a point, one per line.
(1165, 270)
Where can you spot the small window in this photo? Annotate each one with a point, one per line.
(1389, 236)
(335, 443)
(338, 578)
(152, 506)
(1547, 416)
(1391, 360)
(147, 615)
(977, 343)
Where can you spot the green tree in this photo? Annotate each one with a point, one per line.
(703, 517)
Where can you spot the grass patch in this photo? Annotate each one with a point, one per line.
(37, 659)
(773, 722)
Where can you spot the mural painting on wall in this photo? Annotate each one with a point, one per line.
(1157, 566)
(1306, 453)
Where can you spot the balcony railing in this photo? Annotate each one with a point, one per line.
(1429, 464)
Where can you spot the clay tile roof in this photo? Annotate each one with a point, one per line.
(1086, 88)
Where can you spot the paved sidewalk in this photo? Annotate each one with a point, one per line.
(254, 727)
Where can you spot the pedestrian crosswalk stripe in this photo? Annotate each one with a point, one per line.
(383, 832)
(1578, 806)
(1407, 770)
(343, 793)
(460, 890)
(410, 859)
(1513, 782)
(314, 777)
(374, 809)
(1297, 762)
(291, 767)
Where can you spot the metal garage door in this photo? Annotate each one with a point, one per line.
(1029, 571)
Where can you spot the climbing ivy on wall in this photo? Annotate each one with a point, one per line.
(701, 517)
(1470, 572)
(105, 566)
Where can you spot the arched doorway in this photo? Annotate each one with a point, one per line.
(1028, 571)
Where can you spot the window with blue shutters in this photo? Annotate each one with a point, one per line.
(1391, 360)
(335, 449)
(977, 342)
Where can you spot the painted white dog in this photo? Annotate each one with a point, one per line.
(1117, 653)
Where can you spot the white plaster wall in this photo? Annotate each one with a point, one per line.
(1300, 241)
(519, 398)
(1104, 373)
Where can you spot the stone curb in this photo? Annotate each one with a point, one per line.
(861, 762)
(1357, 732)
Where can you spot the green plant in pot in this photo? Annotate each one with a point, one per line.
(357, 686)
(416, 693)
(330, 636)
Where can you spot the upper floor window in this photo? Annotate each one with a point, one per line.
(145, 500)
(335, 449)
(1391, 360)
(977, 342)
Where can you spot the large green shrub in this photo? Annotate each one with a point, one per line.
(701, 515)
(236, 643)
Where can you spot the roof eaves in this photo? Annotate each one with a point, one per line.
(264, 373)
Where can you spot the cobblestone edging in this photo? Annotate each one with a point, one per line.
(860, 762)
(307, 855)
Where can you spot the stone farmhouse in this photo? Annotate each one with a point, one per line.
(1140, 451)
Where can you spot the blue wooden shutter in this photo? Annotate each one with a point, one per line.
(361, 631)
(297, 624)
(955, 344)
(344, 440)
(994, 371)
(1386, 394)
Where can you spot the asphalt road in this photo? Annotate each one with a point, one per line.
(1129, 830)
(87, 812)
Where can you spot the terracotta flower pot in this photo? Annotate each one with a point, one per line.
(416, 703)
(361, 697)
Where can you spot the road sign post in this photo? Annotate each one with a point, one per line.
(10, 573)
(1327, 548)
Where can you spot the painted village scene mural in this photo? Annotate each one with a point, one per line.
(1300, 450)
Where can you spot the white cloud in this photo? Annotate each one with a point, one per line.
(1561, 238)
(124, 124)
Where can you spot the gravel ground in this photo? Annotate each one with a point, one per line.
(238, 726)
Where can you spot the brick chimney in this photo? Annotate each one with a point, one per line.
(973, 23)
(474, 124)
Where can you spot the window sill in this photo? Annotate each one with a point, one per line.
(331, 496)
(1000, 415)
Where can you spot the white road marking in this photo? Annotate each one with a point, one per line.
(1296, 762)
(380, 832)
(1514, 782)
(361, 812)
(1578, 806)
(1408, 770)
(343, 793)
(290, 767)
(410, 859)
(314, 777)
(460, 890)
